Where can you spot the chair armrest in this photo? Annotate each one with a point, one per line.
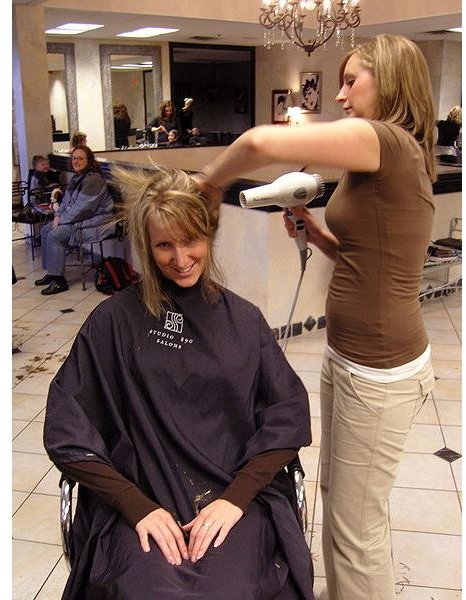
(66, 519)
(296, 474)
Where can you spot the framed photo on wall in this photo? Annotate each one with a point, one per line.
(310, 87)
(279, 107)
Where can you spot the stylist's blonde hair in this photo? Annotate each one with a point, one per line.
(404, 88)
(171, 198)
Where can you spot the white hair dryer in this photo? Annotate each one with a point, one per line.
(292, 189)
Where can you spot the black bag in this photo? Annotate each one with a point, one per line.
(114, 274)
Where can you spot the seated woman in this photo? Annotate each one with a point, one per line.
(44, 185)
(159, 127)
(176, 411)
(87, 204)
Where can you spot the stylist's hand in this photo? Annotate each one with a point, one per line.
(211, 193)
(313, 229)
(162, 527)
(214, 521)
(56, 221)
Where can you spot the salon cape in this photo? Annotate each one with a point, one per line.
(176, 405)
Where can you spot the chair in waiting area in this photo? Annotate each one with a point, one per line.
(294, 469)
(24, 213)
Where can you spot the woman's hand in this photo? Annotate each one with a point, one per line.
(162, 527)
(215, 520)
(315, 234)
(208, 191)
(56, 221)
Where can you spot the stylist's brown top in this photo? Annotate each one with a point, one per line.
(383, 222)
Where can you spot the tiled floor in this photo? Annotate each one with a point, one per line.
(425, 506)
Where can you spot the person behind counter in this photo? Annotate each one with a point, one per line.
(159, 127)
(121, 124)
(448, 136)
(179, 453)
(78, 139)
(186, 119)
(86, 202)
(377, 369)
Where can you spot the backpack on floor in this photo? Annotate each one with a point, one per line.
(114, 274)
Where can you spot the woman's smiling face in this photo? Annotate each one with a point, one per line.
(179, 259)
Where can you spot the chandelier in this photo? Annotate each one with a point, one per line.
(286, 17)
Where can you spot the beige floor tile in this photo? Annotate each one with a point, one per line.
(316, 431)
(453, 437)
(314, 508)
(17, 426)
(434, 323)
(447, 389)
(32, 564)
(316, 551)
(456, 467)
(439, 336)
(27, 361)
(74, 318)
(17, 499)
(27, 406)
(409, 592)
(428, 511)
(28, 470)
(320, 584)
(427, 414)
(301, 362)
(433, 309)
(306, 344)
(35, 383)
(24, 330)
(29, 303)
(446, 352)
(60, 329)
(30, 439)
(424, 471)
(311, 381)
(424, 438)
(449, 412)
(18, 313)
(40, 417)
(43, 343)
(53, 587)
(427, 559)
(314, 405)
(50, 483)
(447, 369)
(37, 520)
(42, 315)
(310, 461)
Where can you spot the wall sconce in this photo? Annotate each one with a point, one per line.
(294, 115)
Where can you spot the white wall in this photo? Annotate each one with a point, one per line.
(58, 99)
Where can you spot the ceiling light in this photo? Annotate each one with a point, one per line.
(146, 32)
(72, 28)
(286, 18)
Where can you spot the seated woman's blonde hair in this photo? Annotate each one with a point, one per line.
(171, 197)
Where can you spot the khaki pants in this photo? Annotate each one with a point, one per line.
(364, 430)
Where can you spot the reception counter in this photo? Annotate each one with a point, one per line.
(258, 259)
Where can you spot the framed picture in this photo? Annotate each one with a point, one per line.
(279, 107)
(310, 87)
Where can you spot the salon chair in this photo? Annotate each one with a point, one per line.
(294, 469)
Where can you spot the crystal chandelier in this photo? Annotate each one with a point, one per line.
(286, 18)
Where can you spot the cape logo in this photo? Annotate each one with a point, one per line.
(174, 322)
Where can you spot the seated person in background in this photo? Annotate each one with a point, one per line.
(179, 453)
(448, 133)
(78, 139)
(173, 139)
(159, 127)
(121, 124)
(86, 200)
(44, 185)
(197, 138)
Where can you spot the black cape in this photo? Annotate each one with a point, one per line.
(176, 405)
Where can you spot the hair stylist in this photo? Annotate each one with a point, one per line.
(377, 370)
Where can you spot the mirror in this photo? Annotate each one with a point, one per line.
(62, 91)
(131, 75)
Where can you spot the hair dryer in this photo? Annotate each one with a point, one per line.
(292, 189)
